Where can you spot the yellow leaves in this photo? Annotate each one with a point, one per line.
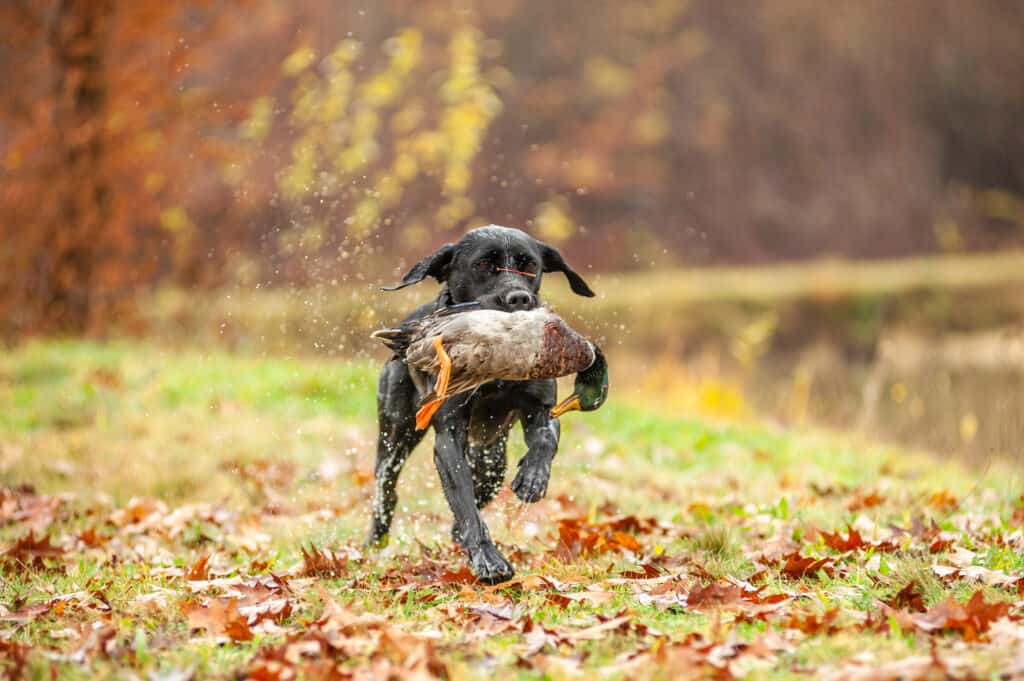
(409, 117)
(721, 399)
(552, 220)
(298, 61)
(948, 234)
(176, 221)
(346, 52)
(606, 78)
(753, 340)
(968, 427)
(297, 178)
(340, 123)
(1002, 205)
(415, 234)
(405, 167)
(456, 179)
(651, 127)
(306, 98)
(389, 189)
(455, 210)
(364, 218)
(257, 125)
(364, 124)
(669, 386)
(405, 50)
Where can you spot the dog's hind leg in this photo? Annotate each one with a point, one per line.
(396, 408)
(489, 463)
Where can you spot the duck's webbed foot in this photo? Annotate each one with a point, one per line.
(444, 375)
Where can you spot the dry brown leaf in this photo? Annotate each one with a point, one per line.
(715, 595)
(647, 571)
(28, 613)
(972, 619)
(860, 500)
(31, 551)
(200, 570)
(909, 598)
(811, 624)
(322, 563)
(798, 566)
(136, 511)
(218, 617)
(852, 542)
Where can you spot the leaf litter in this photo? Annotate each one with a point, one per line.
(638, 593)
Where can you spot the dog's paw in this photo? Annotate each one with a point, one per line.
(489, 566)
(531, 482)
(376, 540)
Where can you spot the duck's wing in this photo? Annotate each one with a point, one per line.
(497, 345)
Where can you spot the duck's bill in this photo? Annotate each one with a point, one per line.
(570, 403)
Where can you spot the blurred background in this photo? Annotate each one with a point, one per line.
(809, 212)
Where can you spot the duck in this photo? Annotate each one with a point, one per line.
(468, 346)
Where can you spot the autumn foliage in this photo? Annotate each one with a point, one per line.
(256, 141)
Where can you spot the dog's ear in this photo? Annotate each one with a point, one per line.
(436, 265)
(554, 262)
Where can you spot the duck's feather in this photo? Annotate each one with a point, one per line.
(486, 345)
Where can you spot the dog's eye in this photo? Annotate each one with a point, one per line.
(484, 266)
(528, 266)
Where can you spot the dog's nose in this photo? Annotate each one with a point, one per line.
(519, 300)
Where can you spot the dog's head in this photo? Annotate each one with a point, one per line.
(498, 267)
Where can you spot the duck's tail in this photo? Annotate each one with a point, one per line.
(397, 339)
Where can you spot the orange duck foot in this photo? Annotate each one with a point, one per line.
(426, 413)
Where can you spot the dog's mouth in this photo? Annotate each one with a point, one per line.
(510, 301)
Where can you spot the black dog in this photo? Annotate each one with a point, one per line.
(501, 269)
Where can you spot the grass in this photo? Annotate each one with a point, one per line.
(254, 458)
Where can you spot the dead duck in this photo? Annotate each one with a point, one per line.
(468, 346)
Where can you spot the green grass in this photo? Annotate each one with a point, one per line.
(109, 423)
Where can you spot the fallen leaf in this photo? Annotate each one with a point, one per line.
(218, 617)
(798, 566)
(971, 619)
(852, 542)
(713, 595)
(30, 551)
(909, 597)
(199, 570)
(861, 500)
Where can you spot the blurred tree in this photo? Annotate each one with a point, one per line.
(271, 141)
(79, 39)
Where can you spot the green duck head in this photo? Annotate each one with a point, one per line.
(590, 390)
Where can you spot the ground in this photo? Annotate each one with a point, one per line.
(177, 513)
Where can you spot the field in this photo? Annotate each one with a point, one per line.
(179, 514)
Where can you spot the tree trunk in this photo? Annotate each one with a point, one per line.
(78, 42)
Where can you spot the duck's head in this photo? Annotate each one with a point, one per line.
(590, 390)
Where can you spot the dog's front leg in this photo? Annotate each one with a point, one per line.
(450, 438)
(541, 432)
